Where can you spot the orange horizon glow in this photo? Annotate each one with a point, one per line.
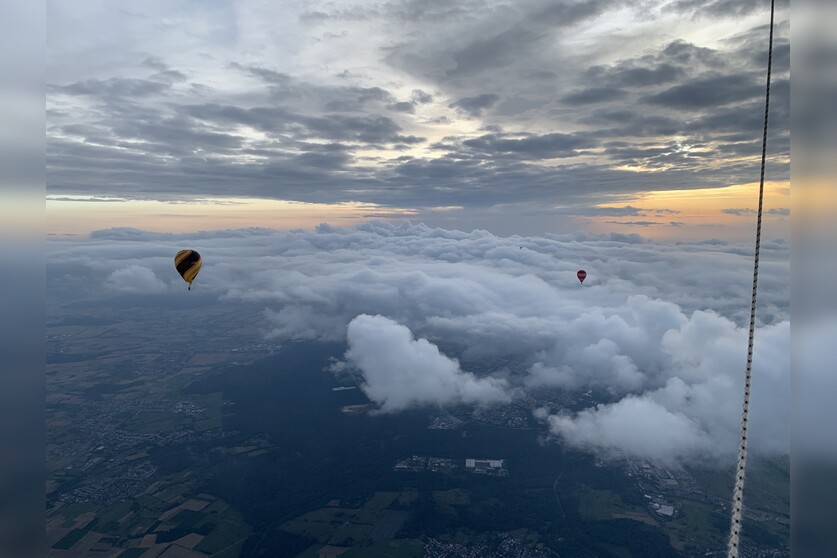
(700, 209)
(83, 214)
(697, 213)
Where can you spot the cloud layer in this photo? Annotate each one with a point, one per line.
(412, 104)
(695, 411)
(436, 317)
(135, 279)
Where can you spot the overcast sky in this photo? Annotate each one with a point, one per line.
(525, 116)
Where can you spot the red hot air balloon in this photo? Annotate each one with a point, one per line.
(582, 275)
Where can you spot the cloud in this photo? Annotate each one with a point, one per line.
(657, 331)
(421, 97)
(593, 95)
(532, 146)
(695, 411)
(416, 270)
(85, 199)
(748, 212)
(402, 106)
(336, 104)
(400, 372)
(647, 223)
(112, 87)
(596, 211)
(720, 8)
(636, 426)
(712, 91)
(473, 106)
(135, 279)
(625, 75)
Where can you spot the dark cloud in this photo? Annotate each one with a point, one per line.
(402, 106)
(246, 122)
(343, 98)
(474, 106)
(593, 95)
(275, 120)
(486, 54)
(624, 211)
(86, 199)
(623, 75)
(357, 97)
(112, 87)
(689, 55)
(420, 97)
(532, 146)
(715, 91)
(631, 123)
(645, 223)
(749, 116)
(722, 8)
(501, 39)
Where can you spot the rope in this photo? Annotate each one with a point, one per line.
(738, 492)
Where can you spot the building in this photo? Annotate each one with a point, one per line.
(485, 463)
(666, 510)
(496, 467)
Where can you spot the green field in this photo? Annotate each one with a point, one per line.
(226, 532)
(320, 524)
(767, 490)
(344, 526)
(405, 548)
(768, 483)
(402, 548)
(212, 404)
(70, 539)
(596, 505)
(701, 524)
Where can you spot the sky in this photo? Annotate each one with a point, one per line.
(421, 180)
(523, 117)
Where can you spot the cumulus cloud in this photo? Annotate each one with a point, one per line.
(436, 317)
(400, 371)
(135, 279)
(695, 410)
(635, 425)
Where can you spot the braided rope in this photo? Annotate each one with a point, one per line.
(738, 492)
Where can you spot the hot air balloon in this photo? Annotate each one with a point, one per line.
(582, 275)
(188, 264)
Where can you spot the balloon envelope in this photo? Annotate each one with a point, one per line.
(188, 264)
(582, 275)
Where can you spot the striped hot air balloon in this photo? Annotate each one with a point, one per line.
(188, 264)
